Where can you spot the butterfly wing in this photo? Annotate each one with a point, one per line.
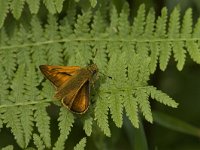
(80, 103)
(58, 74)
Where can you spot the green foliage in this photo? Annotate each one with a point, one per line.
(126, 52)
(81, 144)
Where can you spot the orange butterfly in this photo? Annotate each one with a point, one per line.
(72, 84)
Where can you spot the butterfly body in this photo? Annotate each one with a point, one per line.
(72, 84)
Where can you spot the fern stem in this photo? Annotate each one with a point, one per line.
(100, 40)
(24, 103)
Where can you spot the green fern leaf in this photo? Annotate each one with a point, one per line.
(193, 50)
(17, 93)
(33, 5)
(164, 46)
(26, 118)
(3, 89)
(54, 54)
(100, 58)
(31, 83)
(71, 12)
(9, 61)
(154, 56)
(23, 54)
(43, 123)
(124, 25)
(38, 54)
(50, 6)
(66, 120)
(81, 27)
(99, 25)
(130, 105)
(38, 142)
(186, 29)
(88, 125)
(173, 33)
(101, 113)
(196, 32)
(83, 52)
(117, 70)
(165, 53)
(161, 97)
(81, 145)
(139, 22)
(144, 105)
(3, 11)
(59, 5)
(150, 25)
(112, 29)
(17, 6)
(161, 24)
(9, 147)
(174, 24)
(1, 118)
(179, 54)
(12, 120)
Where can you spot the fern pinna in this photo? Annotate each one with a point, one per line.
(126, 52)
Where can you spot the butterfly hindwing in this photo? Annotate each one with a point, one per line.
(58, 74)
(80, 101)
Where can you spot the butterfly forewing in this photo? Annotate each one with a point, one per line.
(58, 74)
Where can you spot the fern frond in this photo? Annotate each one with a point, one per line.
(196, 32)
(155, 50)
(12, 120)
(186, 28)
(88, 125)
(131, 107)
(81, 145)
(113, 21)
(3, 89)
(38, 142)
(33, 5)
(117, 70)
(160, 32)
(150, 24)
(9, 61)
(59, 5)
(9, 147)
(174, 33)
(50, 6)
(43, 123)
(66, 120)
(144, 105)
(26, 119)
(16, 7)
(54, 51)
(101, 113)
(193, 50)
(165, 53)
(124, 25)
(1, 118)
(161, 97)
(3, 11)
(139, 22)
(82, 25)
(18, 86)
(38, 53)
(23, 54)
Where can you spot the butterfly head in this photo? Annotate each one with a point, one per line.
(93, 69)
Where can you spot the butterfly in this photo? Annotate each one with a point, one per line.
(72, 84)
